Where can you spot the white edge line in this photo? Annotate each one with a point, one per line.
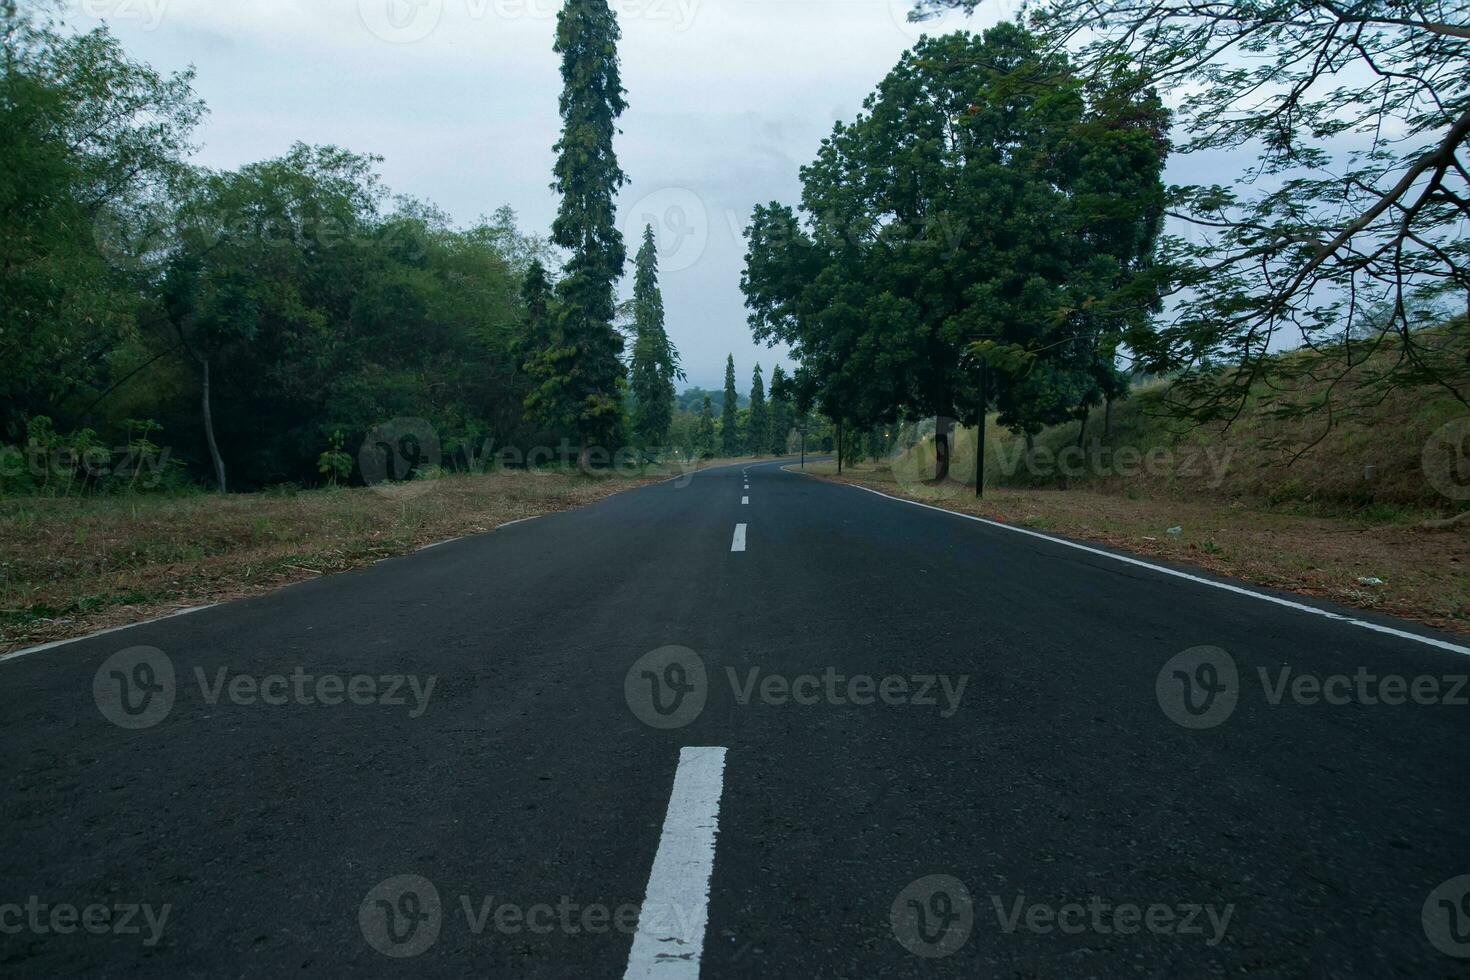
(15, 654)
(1300, 606)
(438, 544)
(669, 941)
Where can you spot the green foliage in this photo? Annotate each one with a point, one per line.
(1353, 208)
(93, 142)
(783, 412)
(704, 437)
(890, 287)
(334, 463)
(730, 443)
(655, 361)
(758, 426)
(587, 371)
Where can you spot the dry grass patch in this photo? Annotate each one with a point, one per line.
(70, 567)
(1424, 573)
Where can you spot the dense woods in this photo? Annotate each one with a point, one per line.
(294, 321)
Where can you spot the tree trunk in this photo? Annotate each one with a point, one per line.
(941, 450)
(1082, 429)
(1107, 418)
(839, 448)
(980, 436)
(219, 463)
(584, 458)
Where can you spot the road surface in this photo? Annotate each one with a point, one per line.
(752, 724)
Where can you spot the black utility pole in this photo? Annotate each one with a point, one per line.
(980, 439)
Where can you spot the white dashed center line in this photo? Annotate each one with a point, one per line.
(744, 501)
(670, 937)
(738, 542)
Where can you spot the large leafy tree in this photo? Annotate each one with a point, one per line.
(255, 292)
(893, 287)
(655, 361)
(93, 143)
(1345, 232)
(729, 417)
(588, 177)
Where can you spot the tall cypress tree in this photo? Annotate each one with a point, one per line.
(655, 362)
(704, 436)
(543, 355)
(588, 177)
(757, 432)
(729, 422)
(782, 411)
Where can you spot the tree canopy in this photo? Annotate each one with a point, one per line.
(987, 204)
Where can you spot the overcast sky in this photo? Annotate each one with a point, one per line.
(727, 98)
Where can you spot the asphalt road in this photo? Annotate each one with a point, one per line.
(950, 749)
